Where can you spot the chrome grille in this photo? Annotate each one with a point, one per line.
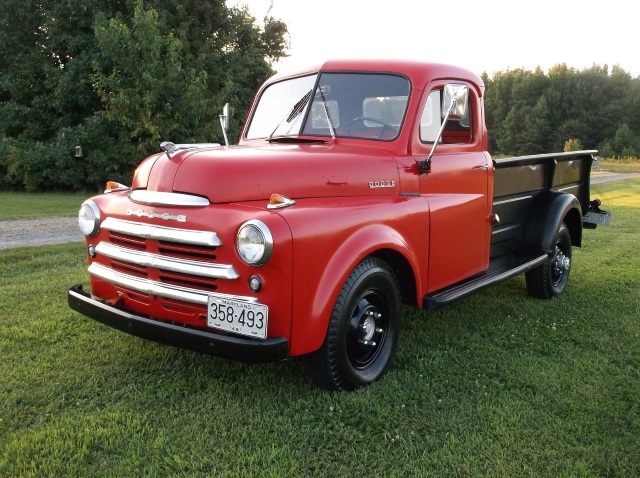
(162, 233)
(183, 251)
(125, 240)
(173, 263)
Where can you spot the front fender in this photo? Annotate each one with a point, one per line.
(330, 237)
(309, 333)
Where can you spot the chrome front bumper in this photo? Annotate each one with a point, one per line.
(202, 341)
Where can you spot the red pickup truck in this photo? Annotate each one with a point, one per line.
(356, 187)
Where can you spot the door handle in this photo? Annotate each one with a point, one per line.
(484, 166)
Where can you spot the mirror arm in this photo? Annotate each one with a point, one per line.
(425, 165)
(223, 121)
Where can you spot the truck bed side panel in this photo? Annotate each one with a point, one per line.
(518, 181)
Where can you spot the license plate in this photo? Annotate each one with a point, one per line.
(603, 218)
(237, 316)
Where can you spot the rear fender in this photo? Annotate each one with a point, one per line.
(310, 321)
(548, 210)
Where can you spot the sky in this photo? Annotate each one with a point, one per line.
(482, 36)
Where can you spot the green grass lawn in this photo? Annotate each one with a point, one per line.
(497, 385)
(39, 205)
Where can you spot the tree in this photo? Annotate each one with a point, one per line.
(572, 145)
(116, 76)
(45, 92)
(528, 112)
(623, 144)
(150, 91)
(536, 135)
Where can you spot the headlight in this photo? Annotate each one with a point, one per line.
(89, 219)
(254, 242)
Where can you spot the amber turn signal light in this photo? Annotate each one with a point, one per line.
(277, 201)
(112, 186)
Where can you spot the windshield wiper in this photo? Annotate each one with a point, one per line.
(332, 128)
(294, 139)
(294, 112)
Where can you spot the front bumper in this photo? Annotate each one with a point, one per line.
(235, 348)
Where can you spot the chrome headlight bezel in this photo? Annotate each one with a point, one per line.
(254, 243)
(89, 218)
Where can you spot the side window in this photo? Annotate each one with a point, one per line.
(455, 132)
(431, 118)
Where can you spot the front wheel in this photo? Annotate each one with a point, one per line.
(551, 278)
(363, 330)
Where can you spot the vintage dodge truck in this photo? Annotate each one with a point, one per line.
(356, 187)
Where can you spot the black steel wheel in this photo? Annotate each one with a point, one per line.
(363, 330)
(551, 278)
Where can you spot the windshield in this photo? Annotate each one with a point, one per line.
(343, 105)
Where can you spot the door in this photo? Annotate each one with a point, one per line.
(457, 190)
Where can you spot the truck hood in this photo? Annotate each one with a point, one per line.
(250, 173)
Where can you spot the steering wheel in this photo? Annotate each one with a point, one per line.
(385, 126)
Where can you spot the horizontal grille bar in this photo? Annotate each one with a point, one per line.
(147, 259)
(161, 233)
(155, 198)
(147, 286)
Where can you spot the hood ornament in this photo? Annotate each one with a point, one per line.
(172, 149)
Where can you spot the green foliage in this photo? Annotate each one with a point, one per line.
(117, 77)
(624, 144)
(530, 112)
(149, 91)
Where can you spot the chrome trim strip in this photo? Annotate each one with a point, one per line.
(522, 198)
(161, 233)
(167, 291)
(572, 186)
(155, 198)
(148, 286)
(117, 190)
(504, 229)
(183, 266)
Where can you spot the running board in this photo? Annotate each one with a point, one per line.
(498, 271)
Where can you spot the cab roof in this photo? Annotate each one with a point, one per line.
(419, 72)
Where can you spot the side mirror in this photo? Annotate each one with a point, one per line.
(225, 117)
(224, 122)
(455, 103)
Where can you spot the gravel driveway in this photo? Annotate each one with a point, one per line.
(41, 232)
(598, 178)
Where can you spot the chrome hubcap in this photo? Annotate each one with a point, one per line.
(561, 264)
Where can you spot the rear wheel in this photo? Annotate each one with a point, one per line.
(363, 330)
(551, 278)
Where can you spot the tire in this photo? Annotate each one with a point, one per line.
(363, 330)
(551, 278)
